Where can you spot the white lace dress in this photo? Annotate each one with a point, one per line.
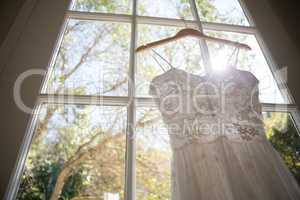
(220, 151)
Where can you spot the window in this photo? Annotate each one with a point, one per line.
(94, 133)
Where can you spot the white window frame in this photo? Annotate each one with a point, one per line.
(131, 101)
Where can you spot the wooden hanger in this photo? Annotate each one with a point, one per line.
(192, 33)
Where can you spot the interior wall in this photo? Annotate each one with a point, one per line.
(289, 15)
(281, 44)
(8, 12)
(29, 46)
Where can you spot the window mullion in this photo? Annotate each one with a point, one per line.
(84, 99)
(296, 119)
(130, 182)
(202, 43)
(159, 21)
(99, 16)
(139, 101)
(277, 72)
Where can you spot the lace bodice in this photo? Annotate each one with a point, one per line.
(202, 109)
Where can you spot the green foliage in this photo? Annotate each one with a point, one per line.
(38, 183)
(207, 10)
(287, 142)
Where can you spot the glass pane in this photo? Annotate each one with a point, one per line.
(103, 6)
(284, 137)
(179, 9)
(154, 153)
(76, 151)
(92, 60)
(221, 11)
(253, 61)
(182, 54)
(153, 156)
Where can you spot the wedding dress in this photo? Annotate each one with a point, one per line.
(220, 151)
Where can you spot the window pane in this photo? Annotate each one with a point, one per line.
(103, 6)
(153, 156)
(221, 11)
(284, 137)
(76, 151)
(183, 54)
(253, 61)
(165, 8)
(154, 153)
(92, 60)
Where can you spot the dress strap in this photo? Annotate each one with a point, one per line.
(160, 56)
(235, 53)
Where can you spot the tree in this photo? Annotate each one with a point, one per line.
(286, 141)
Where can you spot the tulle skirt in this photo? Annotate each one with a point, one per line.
(231, 170)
